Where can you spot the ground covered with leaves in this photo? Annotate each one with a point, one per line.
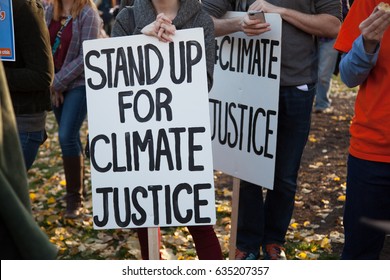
(315, 232)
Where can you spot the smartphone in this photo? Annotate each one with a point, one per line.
(257, 15)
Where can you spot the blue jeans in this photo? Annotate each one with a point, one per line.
(265, 222)
(30, 142)
(368, 195)
(326, 63)
(70, 116)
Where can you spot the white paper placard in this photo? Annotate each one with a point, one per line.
(244, 103)
(149, 131)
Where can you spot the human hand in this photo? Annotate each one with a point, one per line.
(57, 98)
(373, 28)
(162, 28)
(261, 5)
(253, 27)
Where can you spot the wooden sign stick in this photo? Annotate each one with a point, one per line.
(154, 246)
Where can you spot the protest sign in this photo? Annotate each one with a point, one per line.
(244, 103)
(7, 39)
(149, 131)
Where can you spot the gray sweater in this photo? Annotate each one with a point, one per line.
(131, 20)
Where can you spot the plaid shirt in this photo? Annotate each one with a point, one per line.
(85, 26)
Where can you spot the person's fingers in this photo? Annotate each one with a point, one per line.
(375, 25)
(256, 31)
(168, 28)
(165, 37)
(163, 18)
(160, 32)
(252, 27)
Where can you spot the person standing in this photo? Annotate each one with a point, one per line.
(327, 61)
(104, 7)
(29, 77)
(71, 22)
(365, 41)
(160, 18)
(20, 236)
(265, 223)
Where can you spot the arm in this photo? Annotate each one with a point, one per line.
(358, 62)
(35, 52)
(90, 23)
(209, 38)
(355, 66)
(224, 26)
(323, 25)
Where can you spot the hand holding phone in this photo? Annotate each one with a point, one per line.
(256, 15)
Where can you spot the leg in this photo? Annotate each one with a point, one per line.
(206, 242)
(326, 64)
(70, 117)
(30, 142)
(368, 195)
(250, 224)
(293, 129)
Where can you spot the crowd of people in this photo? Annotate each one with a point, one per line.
(48, 74)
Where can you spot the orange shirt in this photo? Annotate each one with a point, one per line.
(370, 128)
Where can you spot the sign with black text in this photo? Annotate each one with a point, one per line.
(244, 103)
(149, 131)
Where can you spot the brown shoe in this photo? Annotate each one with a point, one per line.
(274, 252)
(241, 255)
(73, 210)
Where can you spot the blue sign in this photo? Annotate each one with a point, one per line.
(7, 39)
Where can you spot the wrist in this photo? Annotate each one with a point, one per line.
(283, 12)
(370, 46)
(239, 24)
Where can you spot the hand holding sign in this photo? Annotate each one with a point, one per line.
(151, 161)
(162, 28)
(252, 25)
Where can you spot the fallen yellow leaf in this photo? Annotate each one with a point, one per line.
(33, 196)
(294, 225)
(341, 198)
(325, 243)
(63, 183)
(301, 256)
(51, 200)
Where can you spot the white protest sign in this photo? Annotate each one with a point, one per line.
(244, 103)
(149, 131)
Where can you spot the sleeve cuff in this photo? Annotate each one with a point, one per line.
(368, 58)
